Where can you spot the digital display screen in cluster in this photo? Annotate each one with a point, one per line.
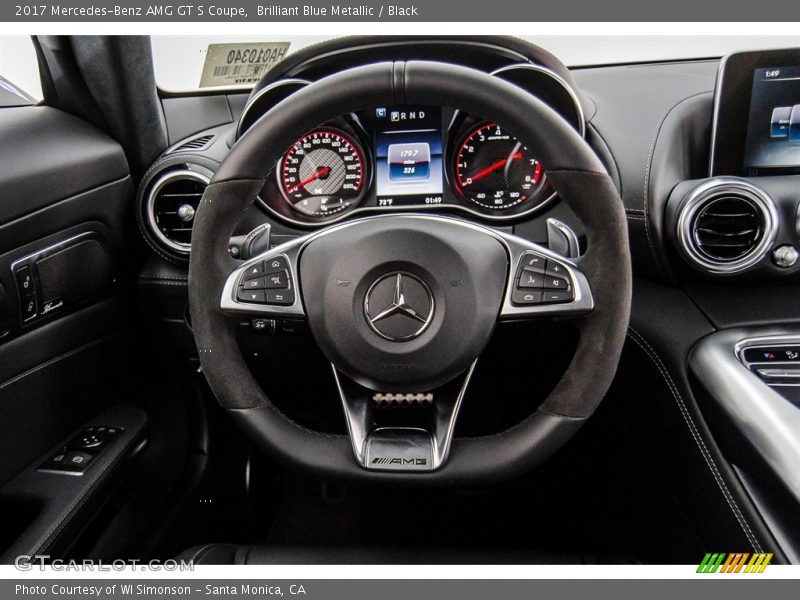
(409, 166)
(773, 128)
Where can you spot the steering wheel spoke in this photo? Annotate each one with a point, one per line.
(420, 444)
(266, 285)
(542, 283)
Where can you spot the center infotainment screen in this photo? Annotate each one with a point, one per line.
(408, 155)
(773, 127)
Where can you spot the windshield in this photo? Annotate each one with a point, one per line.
(186, 63)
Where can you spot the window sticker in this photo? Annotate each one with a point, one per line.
(240, 64)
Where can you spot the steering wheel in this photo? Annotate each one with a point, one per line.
(404, 304)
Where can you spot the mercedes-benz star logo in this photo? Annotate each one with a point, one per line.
(399, 307)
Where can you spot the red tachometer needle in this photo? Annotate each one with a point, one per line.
(493, 167)
(320, 172)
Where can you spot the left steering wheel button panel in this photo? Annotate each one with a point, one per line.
(267, 282)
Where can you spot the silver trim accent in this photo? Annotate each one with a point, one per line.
(399, 305)
(706, 191)
(52, 249)
(358, 415)
(775, 341)
(515, 247)
(156, 187)
(717, 95)
(262, 92)
(553, 226)
(797, 220)
(399, 449)
(769, 421)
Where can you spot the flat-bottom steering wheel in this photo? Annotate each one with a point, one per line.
(403, 305)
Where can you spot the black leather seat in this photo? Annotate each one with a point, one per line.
(233, 554)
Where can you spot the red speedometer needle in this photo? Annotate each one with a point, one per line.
(493, 167)
(320, 172)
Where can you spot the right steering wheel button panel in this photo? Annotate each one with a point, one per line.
(541, 280)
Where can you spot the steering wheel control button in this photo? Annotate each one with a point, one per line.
(278, 263)
(258, 283)
(555, 297)
(555, 269)
(532, 262)
(252, 296)
(531, 279)
(280, 297)
(519, 296)
(555, 283)
(253, 271)
(399, 306)
(277, 281)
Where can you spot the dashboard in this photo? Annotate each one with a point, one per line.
(700, 203)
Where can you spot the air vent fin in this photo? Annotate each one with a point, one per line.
(727, 228)
(197, 143)
(727, 225)
(172, 204)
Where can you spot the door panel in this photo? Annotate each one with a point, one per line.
(65, 204)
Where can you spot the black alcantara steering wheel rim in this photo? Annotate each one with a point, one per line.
(578, 176)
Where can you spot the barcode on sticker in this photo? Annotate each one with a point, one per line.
(241, 63)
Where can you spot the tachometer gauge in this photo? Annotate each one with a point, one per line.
(494, 170)
(323, 173)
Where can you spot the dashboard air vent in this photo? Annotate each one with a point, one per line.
(727, 225)
(172, 203)
(197, 143)
(727, 228)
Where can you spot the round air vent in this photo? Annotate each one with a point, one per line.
(727, 225)
(171, 205)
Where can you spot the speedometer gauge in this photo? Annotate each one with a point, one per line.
(323, 173)
(494, 170)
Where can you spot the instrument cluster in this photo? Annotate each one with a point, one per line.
(409, 157)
